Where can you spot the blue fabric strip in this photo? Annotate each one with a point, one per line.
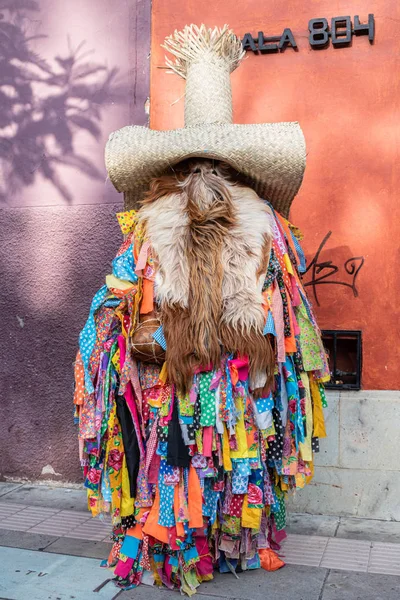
(87, 337)
(166, 516)
(123, 266)
(264, 404)
(158, 335)
(307, 305)
(269, 325)
(130, 547)
(303, 264)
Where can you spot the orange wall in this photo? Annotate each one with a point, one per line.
(347, 103)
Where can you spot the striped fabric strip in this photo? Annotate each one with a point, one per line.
(277, 307)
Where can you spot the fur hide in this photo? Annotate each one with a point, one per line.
(212, 239)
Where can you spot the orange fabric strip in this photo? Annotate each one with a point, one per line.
(290, 342)
(195, 500)
(151, 527)
(135, 531)
(147, 303)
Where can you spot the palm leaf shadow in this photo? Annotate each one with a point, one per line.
(43, 105)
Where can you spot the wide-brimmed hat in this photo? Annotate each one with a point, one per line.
(271, 156)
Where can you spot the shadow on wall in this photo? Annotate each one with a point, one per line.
(55, 103)
(43, 105)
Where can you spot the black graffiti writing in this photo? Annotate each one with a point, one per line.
(322, 272)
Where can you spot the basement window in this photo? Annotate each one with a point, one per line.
(345, 358)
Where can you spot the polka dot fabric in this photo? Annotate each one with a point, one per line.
(315, 444)
(127, 220)
(79, 373)
(167, 491)
(207, 400)
(87, 337)
(236, 505)
(275, 444)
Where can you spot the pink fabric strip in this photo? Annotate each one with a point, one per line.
(215, 380)
(133, 408)
(165, 575)
(129, 395)
(296, 327)
(122, 351)
(295, 292)
(138, 392)
(279, 535)
(135, 382)
(242, 366)
(81, 443)
(278, 236)
(151, 445)
(122, 569)
(193, 394)
(152, 474)
(207, 440)
(202, 368)
(142, 259)
(277, 313)
(171, 405)
(126, 372)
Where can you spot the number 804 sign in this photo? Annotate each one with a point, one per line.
(339, 31)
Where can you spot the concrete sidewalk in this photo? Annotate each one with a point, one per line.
(47, 529)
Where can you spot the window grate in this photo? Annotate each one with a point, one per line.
(344, 349)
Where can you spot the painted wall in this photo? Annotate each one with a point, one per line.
(346, 101)
(57, 208)
(73, 72)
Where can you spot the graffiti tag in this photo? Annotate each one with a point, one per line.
(322, 272)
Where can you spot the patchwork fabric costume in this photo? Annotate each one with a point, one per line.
(199, 378)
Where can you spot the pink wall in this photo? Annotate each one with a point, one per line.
(55, 249)
(346, 101)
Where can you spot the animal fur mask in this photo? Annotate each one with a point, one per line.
(212, 237)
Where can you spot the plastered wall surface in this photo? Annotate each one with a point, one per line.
(86, 75)
(346, 100)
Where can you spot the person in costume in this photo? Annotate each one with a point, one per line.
(199, 378)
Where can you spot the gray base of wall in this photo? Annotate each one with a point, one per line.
(357, 471)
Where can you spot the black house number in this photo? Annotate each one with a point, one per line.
(340, 30)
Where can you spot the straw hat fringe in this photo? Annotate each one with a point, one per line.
(271, 156)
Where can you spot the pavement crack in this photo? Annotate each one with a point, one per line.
(44, 548)
(3, 495)
(211, 595)
(100, 587)
(321, 594)
(337, 526)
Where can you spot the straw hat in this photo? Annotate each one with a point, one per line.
(271, 156)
